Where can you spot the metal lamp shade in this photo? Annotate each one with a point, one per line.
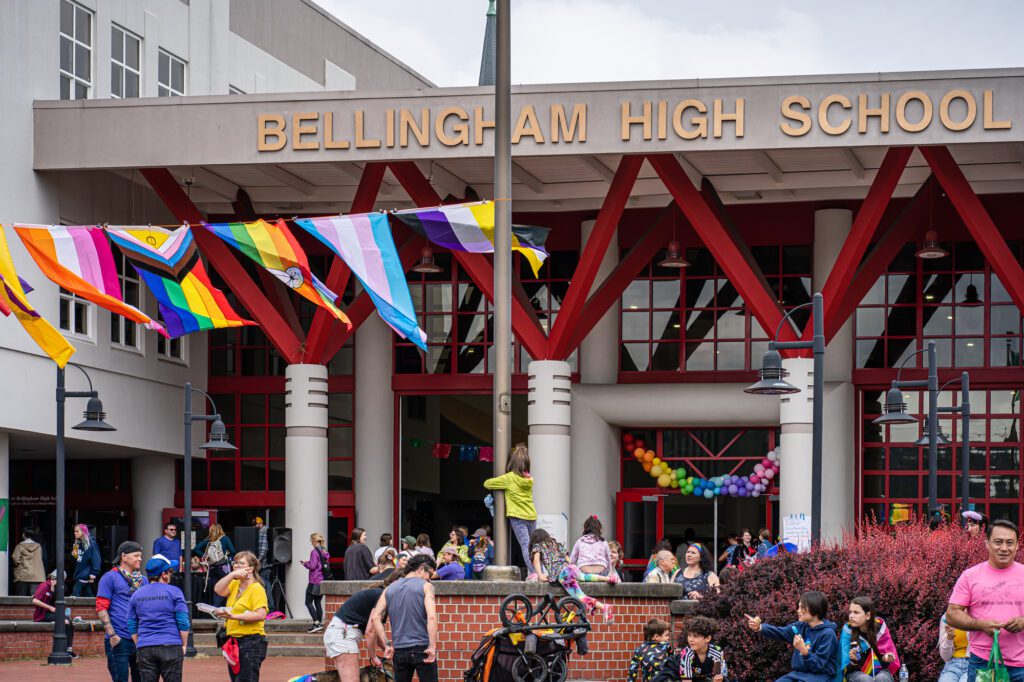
(931, 250)
(426, 264)
(94, 416)
(943, 442)
(218, 438)
(971, 297)
(674, 259)
(773, 377)
(895, 409)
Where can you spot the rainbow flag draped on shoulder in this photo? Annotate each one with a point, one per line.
(274, 248)
(168, 262)
(364, 242)
(470, 227)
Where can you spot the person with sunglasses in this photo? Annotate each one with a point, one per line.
(169, 545)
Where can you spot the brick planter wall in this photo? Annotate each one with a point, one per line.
(468, 609)
(20, 608)
(35, 640)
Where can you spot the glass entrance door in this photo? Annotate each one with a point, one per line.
(640, 522)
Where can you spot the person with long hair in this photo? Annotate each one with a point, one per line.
(745, 552)
(697, 575)
(551, 563)
(591, 552)
(349, 626)
(215, 553)
(384, 543)
(518, 486)
(953, 650)
(457, 539)
(87, 562)
(318, 558)
(866, 647)
(616, 555)
(358, 557)
(423, 545)
(246, 615)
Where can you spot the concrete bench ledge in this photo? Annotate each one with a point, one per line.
(483, 588)
(32, 626)
(27, 601)
(682, 607)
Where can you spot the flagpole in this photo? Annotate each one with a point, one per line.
(502, 397)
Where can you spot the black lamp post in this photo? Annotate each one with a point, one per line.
(94, 416)
(964, 410)
(773, 382)
(218, 441)
(895, 412)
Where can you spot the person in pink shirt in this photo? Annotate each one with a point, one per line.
(989, 597)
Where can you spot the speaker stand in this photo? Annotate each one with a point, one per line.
(277, 593)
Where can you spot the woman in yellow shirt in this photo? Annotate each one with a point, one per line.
(246, 614)
(953, 649)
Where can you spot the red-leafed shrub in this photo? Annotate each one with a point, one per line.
(909, 571)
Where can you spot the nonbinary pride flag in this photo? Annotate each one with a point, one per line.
(12, 295)
(78, 258)
(470, 227)
(169, 264)
(364, 242)
(273, 247)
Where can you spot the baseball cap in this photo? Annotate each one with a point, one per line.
(53, 575)
(409, 540)
(158, 564)
(451, 549)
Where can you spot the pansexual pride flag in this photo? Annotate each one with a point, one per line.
(364, 242)
(273, 247)
(78, 258)
(168, 262)
(470, 227)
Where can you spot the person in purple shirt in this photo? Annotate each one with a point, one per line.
(450, 568)
(115, 591)
(159, 624)
(169, 544)
(318, 568)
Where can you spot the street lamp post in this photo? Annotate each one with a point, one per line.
(773, 382)
(964, 410)
(94, 416)
(218, 441)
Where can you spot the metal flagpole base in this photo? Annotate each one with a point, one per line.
(58, 658)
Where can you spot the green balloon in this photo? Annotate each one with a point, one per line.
(680, 473)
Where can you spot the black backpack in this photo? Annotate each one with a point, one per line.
(325, 566)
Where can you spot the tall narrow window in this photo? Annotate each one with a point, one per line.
(170, 75)
(125, 69)
(75, 51)
(124, 332)
(74, 313)
(172, 349)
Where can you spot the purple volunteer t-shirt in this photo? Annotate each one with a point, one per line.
(991, 593)
(154, 607)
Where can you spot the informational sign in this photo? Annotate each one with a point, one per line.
(5, 522)
(796, 528)
(557, 526)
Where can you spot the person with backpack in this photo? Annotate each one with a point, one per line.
(216, 552)
(319, 570)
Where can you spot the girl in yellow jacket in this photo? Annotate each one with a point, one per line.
(518, 486)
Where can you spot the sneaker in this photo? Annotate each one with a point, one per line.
(316, 627)
(72, 653)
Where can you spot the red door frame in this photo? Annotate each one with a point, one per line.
(636, 495)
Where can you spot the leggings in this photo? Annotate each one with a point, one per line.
(569, 579)
(314, 604)
(522, 529)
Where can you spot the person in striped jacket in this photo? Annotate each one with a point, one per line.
(702, 660)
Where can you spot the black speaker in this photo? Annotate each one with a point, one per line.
(247, 539)
(281, 545)
(113, 536)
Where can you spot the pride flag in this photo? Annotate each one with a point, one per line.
(273, 247)
(78, 258)
(364, 242)
(12, 298)
(470, 227)
(169, 264)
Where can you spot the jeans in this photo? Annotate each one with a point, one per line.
(858, 676)
(955, 670)
(252, 649)
(407, 661)
(976, 663)
(83, 589)
(522, 529)
(314, 603)
(161, 663)
(121, 660)
(69, 629)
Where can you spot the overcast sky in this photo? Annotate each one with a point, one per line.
(560, 41)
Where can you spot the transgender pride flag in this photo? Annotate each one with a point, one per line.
(364, 242)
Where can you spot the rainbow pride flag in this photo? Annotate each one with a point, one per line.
(78, 258)
(12, 298)
(274, 248)
(470, 227)
(364, 242)
(168, 262)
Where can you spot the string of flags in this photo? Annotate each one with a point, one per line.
(80, 259)
(464, 453)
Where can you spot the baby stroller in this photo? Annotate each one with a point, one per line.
(534, 643)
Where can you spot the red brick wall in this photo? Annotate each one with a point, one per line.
(25, 611)
(37, 645)
(463, 620)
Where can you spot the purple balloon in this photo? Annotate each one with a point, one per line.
(732, 489)
(744, 492)
(756, 493)
(748, 485)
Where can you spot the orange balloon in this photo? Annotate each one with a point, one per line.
(647, 467)
(639, 453)
(649, 456)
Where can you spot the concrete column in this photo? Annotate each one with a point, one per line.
(831, 229)
(5, 509)
(795, 419)
(594, 461)
(152, 491)
(549, 416)
(305, 489)
(599, 352)
(375, 428)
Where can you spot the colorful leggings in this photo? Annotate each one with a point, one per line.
(570, 578)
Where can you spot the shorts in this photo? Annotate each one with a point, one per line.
(340, 638)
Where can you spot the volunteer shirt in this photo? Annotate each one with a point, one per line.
(115, 593)
(153, 611)
(993, 594)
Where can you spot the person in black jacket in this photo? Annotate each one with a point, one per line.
(358, 557)
(349, 625)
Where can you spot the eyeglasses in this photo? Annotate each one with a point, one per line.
(240, 563)
(172, 530)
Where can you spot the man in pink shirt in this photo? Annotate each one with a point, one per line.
(989, 597)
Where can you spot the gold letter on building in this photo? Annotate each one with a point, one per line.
(264, 132)
(628, 120)
(737, 117)
(793, 115)
(568, 130)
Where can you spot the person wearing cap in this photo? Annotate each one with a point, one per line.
(483, 553)
(159, 624)
(112, 599)
(449, 567)
(409, 544)
(46, 612)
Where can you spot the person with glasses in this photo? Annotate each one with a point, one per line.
(246, 614)
(169, 545)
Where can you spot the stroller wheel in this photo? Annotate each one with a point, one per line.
(530, 668)
(558, 670)
(516, 609)
(570, 611)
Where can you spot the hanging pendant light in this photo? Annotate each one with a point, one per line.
(674, 259)
(971, 297)
(931, 250)
(426, 264)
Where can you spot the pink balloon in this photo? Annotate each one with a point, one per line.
(766, 462)
(753, 478)
(770, 474)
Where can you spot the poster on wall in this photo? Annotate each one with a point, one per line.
(557, 526)
(5, 508)
(796, 528)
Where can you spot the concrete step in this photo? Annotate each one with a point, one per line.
(273, 639)
(272, 650)
(285, 625)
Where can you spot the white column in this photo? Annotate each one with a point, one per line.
(549, 416)
(375, 429)
(152, 491)
(831, 229)
(594, 459)
(305, 488)
(599, 351)
(795, 419)
(5, 501)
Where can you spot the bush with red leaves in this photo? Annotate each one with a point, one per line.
(909, 572)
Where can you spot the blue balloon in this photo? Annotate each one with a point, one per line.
(708, 494)
(744, 492)
(732, 489)
(718, 490)
(748, 485)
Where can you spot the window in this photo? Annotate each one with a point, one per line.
(74, 313)
(124, 332)
(172, 349)
(125, 69)
(75, 51)
(170, 75)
